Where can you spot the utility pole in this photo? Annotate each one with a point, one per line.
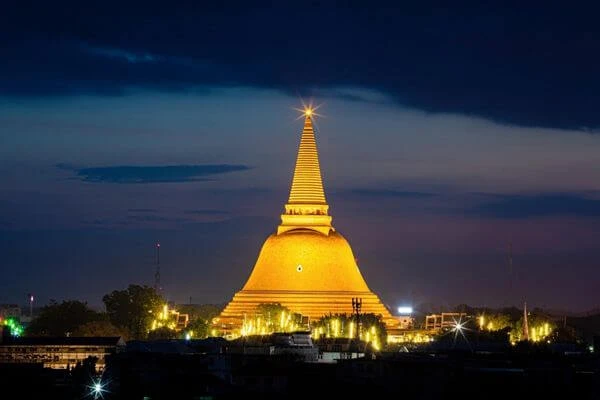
(157, 287)
(356, 306)
(510, 266)
(510, 274)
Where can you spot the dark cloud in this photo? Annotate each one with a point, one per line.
(392, 193)
(153, 218)
(541, 205)
(152, 174)
(142, 210)
(522, 65)
(206, 212)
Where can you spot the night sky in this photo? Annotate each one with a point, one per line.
(446, 135)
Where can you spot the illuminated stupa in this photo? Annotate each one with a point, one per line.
(306, 266)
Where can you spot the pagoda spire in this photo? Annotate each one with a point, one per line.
(306, 207)
(307, 184)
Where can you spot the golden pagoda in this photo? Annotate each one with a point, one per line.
(306, 266)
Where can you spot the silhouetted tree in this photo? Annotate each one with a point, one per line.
(101, 327)
(199, 327)
(367, 323)
(162, 333)
(133, 309)
(62, 319)
(205, 312)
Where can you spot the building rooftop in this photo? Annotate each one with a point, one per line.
(64, 341)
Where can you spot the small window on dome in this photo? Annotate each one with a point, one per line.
(299, 268)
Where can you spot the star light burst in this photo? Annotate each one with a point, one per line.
(460, 328)
(308, 110)
(97, 389)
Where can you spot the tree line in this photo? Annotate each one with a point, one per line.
(128, 313)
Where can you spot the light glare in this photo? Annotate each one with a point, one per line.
(97, 389)
(405, 310)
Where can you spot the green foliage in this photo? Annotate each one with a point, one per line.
(204, 312)
(62, 319)
(534, 321)
(101, 327)
(133, 309)
(162, 333)
(199, 327)
(201, 316)
(367, 322)
(496, 322)
(271, 313)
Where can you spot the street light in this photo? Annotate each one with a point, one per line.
(405, 310)
(30, 295)
(97, 389)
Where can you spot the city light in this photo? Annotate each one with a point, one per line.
(268, 322)
(97, 389)
(15, 328)
(169, 318)
(405, 310)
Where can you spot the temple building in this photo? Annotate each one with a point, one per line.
(306, 266)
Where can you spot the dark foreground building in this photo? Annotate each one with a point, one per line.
(212, 369)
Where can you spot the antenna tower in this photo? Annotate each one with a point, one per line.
(157, 286)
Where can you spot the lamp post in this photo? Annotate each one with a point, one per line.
(30, 305)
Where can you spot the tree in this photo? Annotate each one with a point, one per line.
(198, 328)
(494, 322)
(371, 329)
(133, 309)
(101, 327)
(540, 327)
(205, 312)
(277, 317)
(162, 333)
(62, 319)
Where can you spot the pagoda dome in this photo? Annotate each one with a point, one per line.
(303, 259)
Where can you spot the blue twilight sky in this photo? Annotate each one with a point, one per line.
(446, 135)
